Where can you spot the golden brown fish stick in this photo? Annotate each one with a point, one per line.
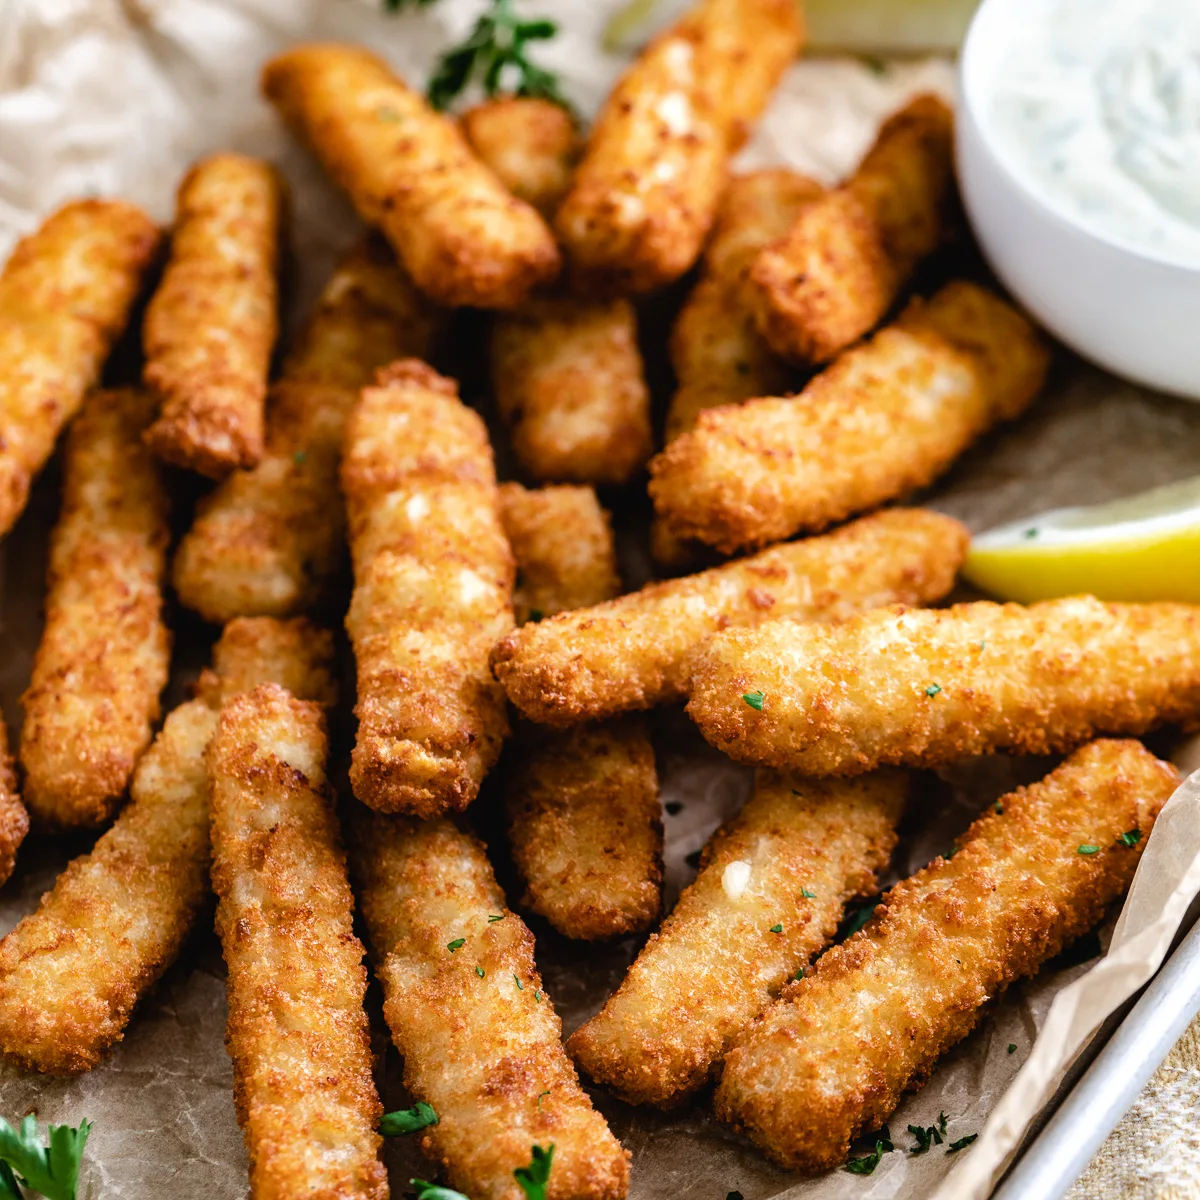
(532, 145)
(466, 1007)
(768, 898)
(924, 688)
(14, 820)
(563, 545)
(433, 579)
(72, 972)
(571, 388)
(633, 652)
(888, 417)
(844, 261)
(211, 326)
(92, 703)
(297, 1032)
(268, 542)
(645, 194)
(832, 1057)
(463, 238)
(65, 296)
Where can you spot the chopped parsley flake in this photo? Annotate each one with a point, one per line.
(1012, 1047)
(868, 1162)
(1031, 532)
(807, 894)
(755, 700)
(798, 975)
(1131, 838)
(537, 997)
(775, 929)
(998, 807)
(408, 1120)
(493, 917)
(942, 1121)
(540, 1095)
(480, 972)
(457, 944)
(520, 985)
(933, 689)
(961, 1144)
(926, 1136)
(1087, 848)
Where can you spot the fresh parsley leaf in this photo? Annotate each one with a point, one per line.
(1131, 838)
(408, 1120)
(51, 1170)
(961, 1144)
(933, 689)
(433, 1191)
(798, 975)
(1012, 1046)
(775, 929)
(480, 972)
(8, 1184)
(861, 917)
(807, 894)
(868, 1162)
(1087, 848)
(520, 985)
(926, 1136)
(942, 1121)
(755, 700)
(534, 1178)
(455, 945)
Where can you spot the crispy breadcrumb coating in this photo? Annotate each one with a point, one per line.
(72, 972)
(297, 1032)
(925, 688)
(212, 324)
(645, 195)
(65, 296)
(633, 652)
(268, 542)
(92, 702)
(571, 389)
(888, 417)
(463, 238)
(532, 145)
(467, 1010)
(772, 885)
(14, 819)
(841, 266)
(832, 1057)
(433, 579)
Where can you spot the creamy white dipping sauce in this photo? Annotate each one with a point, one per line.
(1096, 104)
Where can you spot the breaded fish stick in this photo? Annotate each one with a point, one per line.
(211, 326)
(768, 898)
(925, 688)
(843, 263)
(268, 542)
(633, 652)
(65, 296)
(571, 388)
(888, 417)
(14, 820)
(832, 1057)
(408, 170)
(92, 702)
(646, 192)
(297, 1032)
(433, 579)
(464, 1001)
(72, 972)
(531, 144)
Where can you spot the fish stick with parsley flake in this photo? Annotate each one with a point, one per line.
(105, 651)
(269, 542)
(212, 324)
(646, 192)
(461, 235)
(467, 1011)
(66, 294)
(924, 688)
(433, 578)
(297, 1032)
(532, 144)
(768, 898)
(72, 972)
(633, 652)
(889, 416)
(832, 1057)
(842, 265)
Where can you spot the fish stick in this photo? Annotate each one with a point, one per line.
(769, 896)
(832, 1057)
(531, 144)
(269, 542)
(297, 1032)
(65, 296)
(105, 652)
(633, 652)
(467, 1010)
(211, 325)
(72, 972)
(835, 274)
(571, 388)
(14, 818)
(888, 417)
(433, 579)
(409, 172)
(924, 688)
(646, 192)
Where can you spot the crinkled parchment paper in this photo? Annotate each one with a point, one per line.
(117, 97)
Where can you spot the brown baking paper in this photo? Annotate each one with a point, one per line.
(118, 97)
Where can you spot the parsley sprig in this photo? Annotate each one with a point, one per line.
(866, 1164)
(534, 1178)
(51, 1170)
(408, 1120)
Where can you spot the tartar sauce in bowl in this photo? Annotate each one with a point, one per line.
(1095, 105)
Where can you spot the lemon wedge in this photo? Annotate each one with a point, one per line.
(1142, 547)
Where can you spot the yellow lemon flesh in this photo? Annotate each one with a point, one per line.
(1142, 547)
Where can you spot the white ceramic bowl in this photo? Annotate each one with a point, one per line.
(1133, 313)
